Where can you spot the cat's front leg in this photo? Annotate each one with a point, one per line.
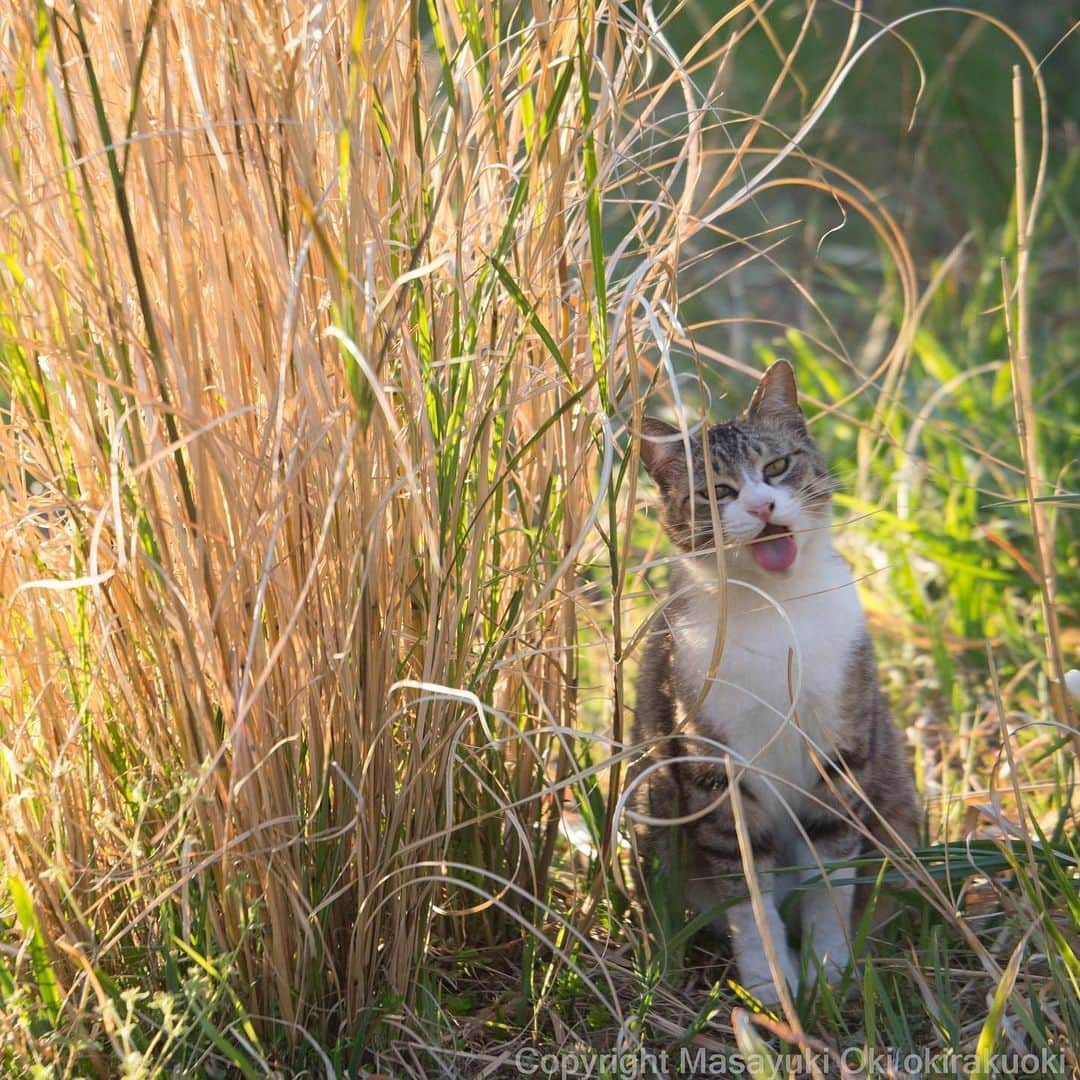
(825, 911)
(717, 875)
(751, 957)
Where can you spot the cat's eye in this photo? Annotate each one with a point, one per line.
(776, 467)
(721, 492)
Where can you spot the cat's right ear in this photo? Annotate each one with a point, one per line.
(775, 396)
(663, 452)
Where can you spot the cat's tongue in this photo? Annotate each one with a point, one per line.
(775, 549)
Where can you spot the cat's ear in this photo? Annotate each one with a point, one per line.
(663, 452)
(776, 396)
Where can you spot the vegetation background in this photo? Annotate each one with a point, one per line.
(323, 554)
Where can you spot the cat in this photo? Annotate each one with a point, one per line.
(794, 625)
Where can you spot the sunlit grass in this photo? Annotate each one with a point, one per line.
(324, 558)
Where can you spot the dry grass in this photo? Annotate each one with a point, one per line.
(322, 329)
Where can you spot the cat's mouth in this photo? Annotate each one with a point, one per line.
(774, 548)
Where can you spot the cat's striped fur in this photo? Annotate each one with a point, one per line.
(793, 696)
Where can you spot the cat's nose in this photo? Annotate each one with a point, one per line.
(762, 511)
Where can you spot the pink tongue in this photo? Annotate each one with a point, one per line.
(775, 554)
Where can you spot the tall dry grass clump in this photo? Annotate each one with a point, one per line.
(299, 327)
(321, 332)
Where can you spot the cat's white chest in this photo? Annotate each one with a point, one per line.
(769, 655)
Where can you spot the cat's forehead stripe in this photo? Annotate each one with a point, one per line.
(728, 440)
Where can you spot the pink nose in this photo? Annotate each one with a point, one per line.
(762, 511)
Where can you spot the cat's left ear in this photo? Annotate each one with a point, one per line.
(663, 453)
(776, 396)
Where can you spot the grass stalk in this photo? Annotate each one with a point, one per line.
(1026, 422)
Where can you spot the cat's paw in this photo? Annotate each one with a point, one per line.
(831, 959)
(756, 977)
(768, 993)
(834, 970)
(835, 960)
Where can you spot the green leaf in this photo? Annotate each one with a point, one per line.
(47, 984)
(988, 1036)
(754, 1049)
(933, 356)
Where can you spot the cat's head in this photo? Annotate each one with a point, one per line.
(771, 482)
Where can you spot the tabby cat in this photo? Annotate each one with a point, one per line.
(792, 697)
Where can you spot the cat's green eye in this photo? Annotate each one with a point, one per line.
(776, 468)
(721, 492)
